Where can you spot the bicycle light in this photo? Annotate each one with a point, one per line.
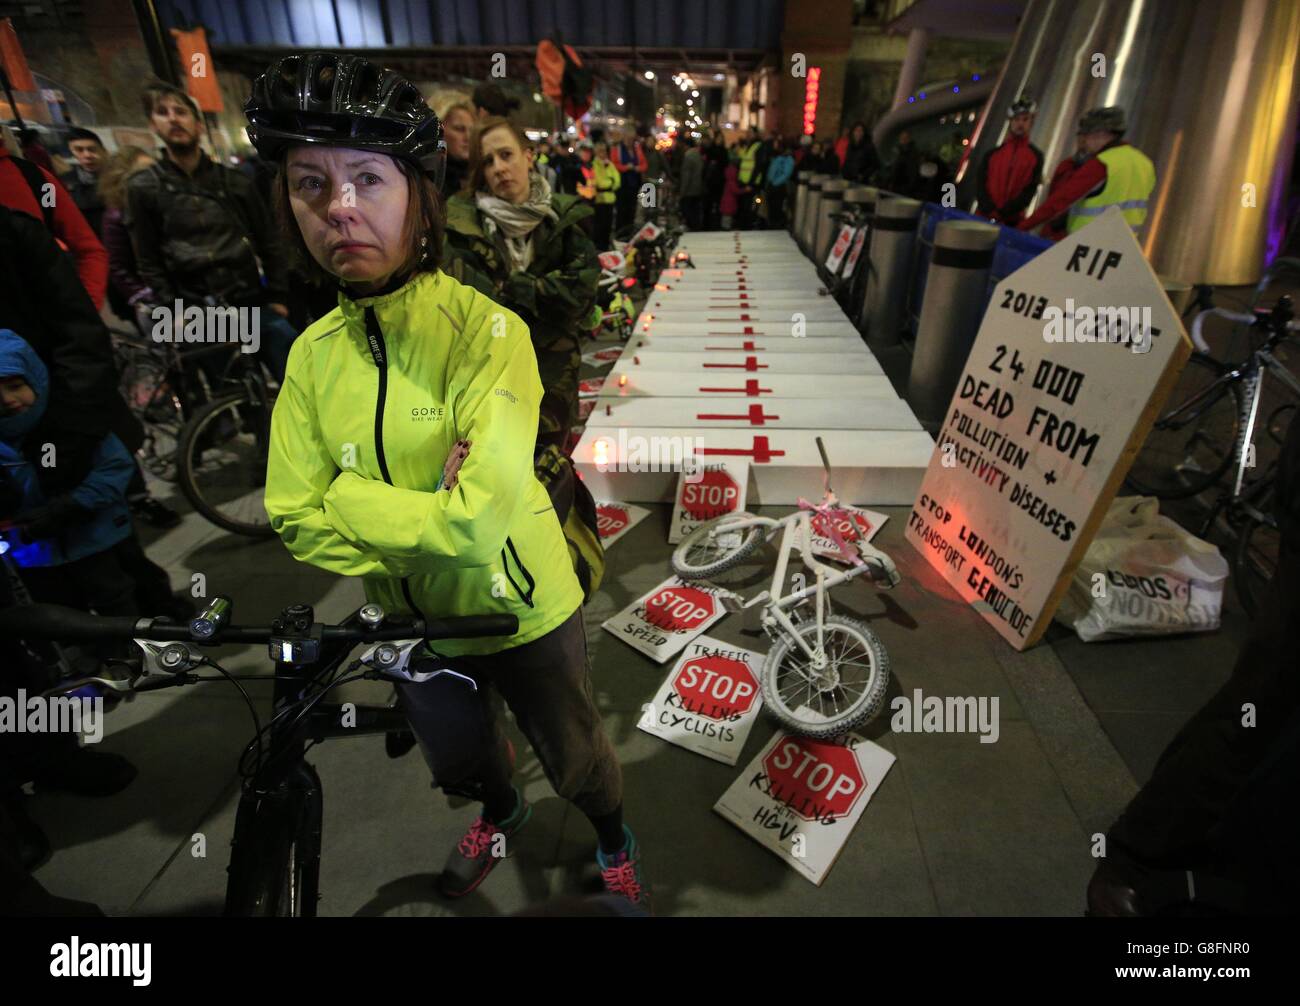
(212, 618)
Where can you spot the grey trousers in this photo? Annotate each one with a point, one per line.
(547, 685)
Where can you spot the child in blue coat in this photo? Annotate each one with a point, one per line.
(76, 548)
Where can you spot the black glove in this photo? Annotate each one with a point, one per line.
(51, 518)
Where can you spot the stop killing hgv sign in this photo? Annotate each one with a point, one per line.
(801, 798)
(661, 622)
(709, 701)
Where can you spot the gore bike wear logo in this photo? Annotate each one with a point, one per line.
(507, 394)
(429, 413)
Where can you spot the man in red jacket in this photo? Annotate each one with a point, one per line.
(1010, 174)
(29, 188)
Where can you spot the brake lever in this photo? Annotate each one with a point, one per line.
(391, 660)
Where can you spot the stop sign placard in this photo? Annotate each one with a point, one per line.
(714, 495)
(851, 526)
(716, 687)
(815, 779)
(610, 520)
(679, 609)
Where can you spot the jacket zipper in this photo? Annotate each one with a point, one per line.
(375, 339)
(525, 595)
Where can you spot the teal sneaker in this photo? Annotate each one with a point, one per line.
(479, 851)
(621, 873)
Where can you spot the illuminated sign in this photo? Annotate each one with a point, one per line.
(811, 88)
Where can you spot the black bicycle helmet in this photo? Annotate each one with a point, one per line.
(1024, 105)
(338, 100)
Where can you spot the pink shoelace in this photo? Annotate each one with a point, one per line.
(621, 880)
(477, 839)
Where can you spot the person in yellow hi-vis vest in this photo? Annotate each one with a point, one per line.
(750, 164)
(1113, 173)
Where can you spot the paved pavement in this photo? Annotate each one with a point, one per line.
(957, 827)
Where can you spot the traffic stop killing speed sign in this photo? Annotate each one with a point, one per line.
(1076, 353)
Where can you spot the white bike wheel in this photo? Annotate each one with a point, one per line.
(859, 663)
(701, 554)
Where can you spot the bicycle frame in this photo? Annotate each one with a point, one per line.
(797, 533)
(1261, 362)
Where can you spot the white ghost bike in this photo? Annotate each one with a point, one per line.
(825, 674)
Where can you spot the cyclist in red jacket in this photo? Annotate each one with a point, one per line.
(1010, 173)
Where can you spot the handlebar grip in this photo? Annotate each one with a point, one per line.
(467, 626)
(55, 621)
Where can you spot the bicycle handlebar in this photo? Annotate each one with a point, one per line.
(54, 621)
(1237, 317)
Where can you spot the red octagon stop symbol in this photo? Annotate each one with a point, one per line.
(610, 520)
(679, 609)
(815, 779)
(852, 526)
(716, 688)
(714, 495)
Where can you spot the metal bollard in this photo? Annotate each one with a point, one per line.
(893, 232)
(826, 228)
(809, 221)
(956, 288)
(800, 197)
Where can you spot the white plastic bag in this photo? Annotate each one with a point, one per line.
(1144, 575)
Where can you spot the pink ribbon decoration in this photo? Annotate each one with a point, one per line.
(827, 511)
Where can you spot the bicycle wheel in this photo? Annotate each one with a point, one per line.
(1255, 562)
(1192, 441)
(221, 464)
(275, 855)
(711, 548)
(848, 692)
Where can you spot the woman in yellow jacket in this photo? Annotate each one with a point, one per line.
(376, 395)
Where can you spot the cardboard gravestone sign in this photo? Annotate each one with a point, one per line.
(661, 622)
(720, 489)
(709, 701)
(1077, 351)
(613, 520)
(800, 798)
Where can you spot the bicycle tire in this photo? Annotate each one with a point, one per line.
(274, 869)
(1254, 562)
(188, 457)
(688, 570)
(1153, 474)
(863, 709)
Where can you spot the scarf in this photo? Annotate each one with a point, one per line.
(517, 221)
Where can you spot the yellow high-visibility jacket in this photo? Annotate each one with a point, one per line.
(374, 396)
